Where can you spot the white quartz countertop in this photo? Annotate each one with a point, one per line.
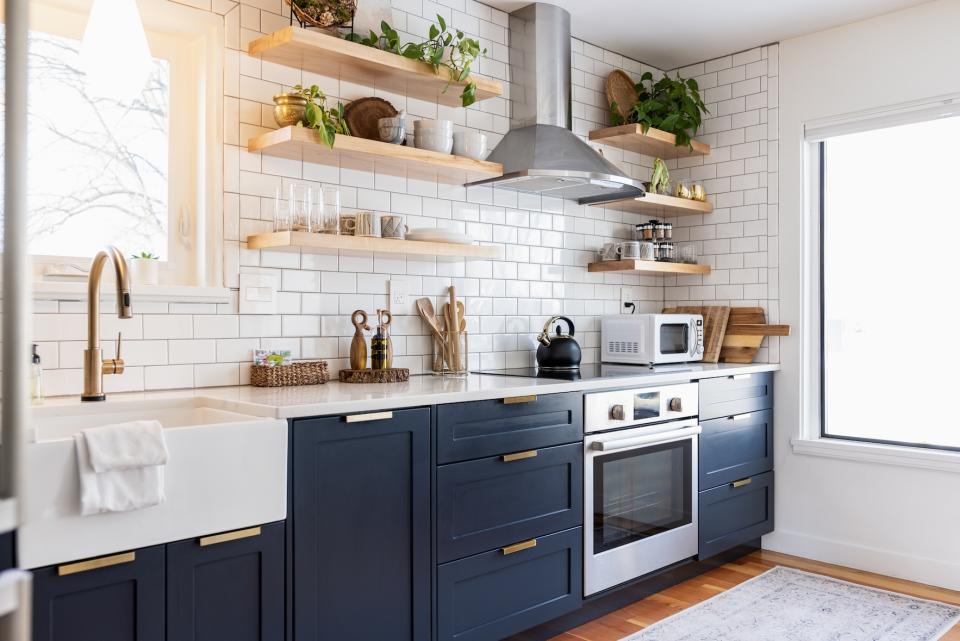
(345, 398)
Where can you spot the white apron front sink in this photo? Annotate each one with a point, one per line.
(226, 471)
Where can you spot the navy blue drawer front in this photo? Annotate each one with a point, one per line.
(228, 590)
(487, 428)
(492, 595)
(6, 551)
(735, 447)
(121, 602)
(729, 395)
(496, 501)
(735, 513)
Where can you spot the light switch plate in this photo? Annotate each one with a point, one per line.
(258, 293)
(628, 295)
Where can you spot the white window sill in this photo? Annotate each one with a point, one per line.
(77, 291)
(904, 456)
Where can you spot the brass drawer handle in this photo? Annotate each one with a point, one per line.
(742, 482)
(375, 416)
(515, 400)
(739, 377)
(740, 417)
(519, 456)
(229, 536)
(519, 547)
(96, 564)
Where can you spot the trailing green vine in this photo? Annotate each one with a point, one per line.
(327, 122)
(671, 105)
(446, 47)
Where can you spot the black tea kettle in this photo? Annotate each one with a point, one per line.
(559, 352)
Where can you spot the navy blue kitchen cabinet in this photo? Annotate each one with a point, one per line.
(735, 447)
(735, 394)
(496, 501)
(492, 595)
(6, 551)
(735, 513)
(361, 558)
(113, 598)
(488, 428)
(227, 586)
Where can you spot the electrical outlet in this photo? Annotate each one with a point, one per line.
(258, 293)
(398, 293)
(628, 295)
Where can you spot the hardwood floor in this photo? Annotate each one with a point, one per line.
(641, 614)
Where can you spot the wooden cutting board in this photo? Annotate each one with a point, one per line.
(746, 329)
(714, 327)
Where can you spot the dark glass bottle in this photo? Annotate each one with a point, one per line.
(379, 351)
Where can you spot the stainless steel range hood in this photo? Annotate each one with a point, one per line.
(539, 154)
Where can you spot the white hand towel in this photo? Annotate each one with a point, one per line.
(126, 446)
(120, 489)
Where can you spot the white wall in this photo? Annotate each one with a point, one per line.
(880, 517)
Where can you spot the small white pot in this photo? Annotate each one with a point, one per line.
(145, 271)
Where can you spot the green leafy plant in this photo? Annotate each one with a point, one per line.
(660, 177)
(671, 105)
(327, 122)
(446, 47)
(145, 256)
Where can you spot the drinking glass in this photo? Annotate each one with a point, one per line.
(315, 208)
(330, 211)
(281, 213)
(299, 199)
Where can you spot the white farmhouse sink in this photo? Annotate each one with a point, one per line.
(226, 471)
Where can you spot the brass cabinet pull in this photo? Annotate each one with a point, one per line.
(740, 417)
(519, 456)
(742, 482)
(96, 564)
(514, 400)
(519, 547)
(739, 377)
(229, 536)
(375, 416)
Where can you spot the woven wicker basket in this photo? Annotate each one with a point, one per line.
(301, 373)
(345, 9)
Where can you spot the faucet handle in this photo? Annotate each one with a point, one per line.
(119, 341)
(115, 365)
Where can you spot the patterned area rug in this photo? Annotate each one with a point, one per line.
(784, 604)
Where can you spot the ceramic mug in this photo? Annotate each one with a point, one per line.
(393, 227)
(648, 251)
(628, 249)
(368, 224)
(608, 251)
(348, 224)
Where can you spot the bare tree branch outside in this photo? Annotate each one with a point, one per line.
(98, 168)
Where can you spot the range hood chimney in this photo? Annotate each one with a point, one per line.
(539, 154)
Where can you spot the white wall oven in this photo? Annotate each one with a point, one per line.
(640, 482)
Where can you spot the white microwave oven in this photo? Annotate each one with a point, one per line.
(651, 339)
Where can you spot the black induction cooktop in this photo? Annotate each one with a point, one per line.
(586, 372)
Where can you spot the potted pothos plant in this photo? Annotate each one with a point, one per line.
(145, 268)
(327, 122)
(670, 104)
(445, 48)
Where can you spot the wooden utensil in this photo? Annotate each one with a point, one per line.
(363, 116)
(425, 309)
(358, 346)
(453, 330)
(621, 90)
(714, 326)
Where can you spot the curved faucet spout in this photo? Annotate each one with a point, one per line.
(94, 367)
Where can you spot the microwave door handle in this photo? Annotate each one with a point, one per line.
(693, 337)
(644, 441)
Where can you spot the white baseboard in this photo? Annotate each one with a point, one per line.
(943, 574)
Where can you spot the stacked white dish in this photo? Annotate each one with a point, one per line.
(433, 135)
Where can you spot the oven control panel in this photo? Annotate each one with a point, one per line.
(637, 406)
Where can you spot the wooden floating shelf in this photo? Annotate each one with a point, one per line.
(653, 143)
(302, 143)
(647, 267)
(353, 62)
(657, 205)
(303, 239)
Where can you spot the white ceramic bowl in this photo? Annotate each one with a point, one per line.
(470, 144)
(433, 125)
(439, 141)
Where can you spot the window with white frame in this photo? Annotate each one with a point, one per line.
(131, 172)
(889, 241)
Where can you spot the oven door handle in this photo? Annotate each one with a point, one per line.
(652, 439)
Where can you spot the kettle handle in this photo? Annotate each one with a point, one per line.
(544, 336)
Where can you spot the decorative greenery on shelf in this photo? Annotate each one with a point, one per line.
(327, 122)
(145, 256)
(671, 105)
(446, 47)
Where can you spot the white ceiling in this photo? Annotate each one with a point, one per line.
(673, 33)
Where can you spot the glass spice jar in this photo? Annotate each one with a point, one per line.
(660, 231)
(646, 231)
(665, 252)
(668, 231)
